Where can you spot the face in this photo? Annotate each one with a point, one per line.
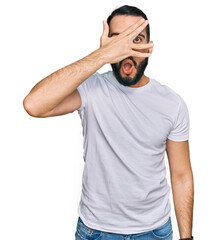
(119, 24)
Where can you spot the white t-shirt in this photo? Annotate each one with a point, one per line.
(124, 185)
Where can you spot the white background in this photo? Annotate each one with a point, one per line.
(41, 159)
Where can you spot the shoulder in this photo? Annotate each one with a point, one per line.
(167, 92)
(91, 81)
(101, 80)
(97, 78)
(96, 84)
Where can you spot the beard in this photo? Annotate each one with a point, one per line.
(128, 81)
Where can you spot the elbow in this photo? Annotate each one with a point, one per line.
(28, 106)
(183, 178)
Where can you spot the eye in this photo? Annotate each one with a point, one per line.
(137, 38)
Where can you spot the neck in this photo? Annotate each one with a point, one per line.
(142, 82)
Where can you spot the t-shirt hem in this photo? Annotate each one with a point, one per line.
(121, 231)
(179, 139)
(80, 90)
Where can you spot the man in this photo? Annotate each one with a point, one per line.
(129, 121)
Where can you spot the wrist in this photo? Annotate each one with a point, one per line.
(191, 238)
(101, 56)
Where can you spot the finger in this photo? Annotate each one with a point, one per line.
(132, 28)
(139, 54)
(105, 30)
(138, 30)
(142, 46)
(151, 48)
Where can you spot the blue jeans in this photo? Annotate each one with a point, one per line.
(83, 232)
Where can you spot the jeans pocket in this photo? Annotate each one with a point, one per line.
(163, 232)
(96, 235)
(83, 232)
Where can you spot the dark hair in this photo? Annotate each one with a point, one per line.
(129, 10)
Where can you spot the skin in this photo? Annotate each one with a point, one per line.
(182, 183)
(57, 95)
(178, 152)
(137, 78)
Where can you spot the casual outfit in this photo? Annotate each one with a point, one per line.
(124, 185)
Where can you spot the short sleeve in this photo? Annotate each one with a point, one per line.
(181, 126)
(84, 89)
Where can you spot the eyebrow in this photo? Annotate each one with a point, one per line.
(118, 34)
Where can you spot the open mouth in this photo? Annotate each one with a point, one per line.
(127, 66)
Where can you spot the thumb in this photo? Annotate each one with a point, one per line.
(105, 30)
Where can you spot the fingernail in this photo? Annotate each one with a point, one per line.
(152, 44)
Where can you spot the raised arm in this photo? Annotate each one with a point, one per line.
(53, 94)
(52, 90)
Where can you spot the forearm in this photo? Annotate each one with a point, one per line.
(183, 197)
(50, 91)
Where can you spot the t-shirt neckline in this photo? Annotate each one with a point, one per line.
(131, 89)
